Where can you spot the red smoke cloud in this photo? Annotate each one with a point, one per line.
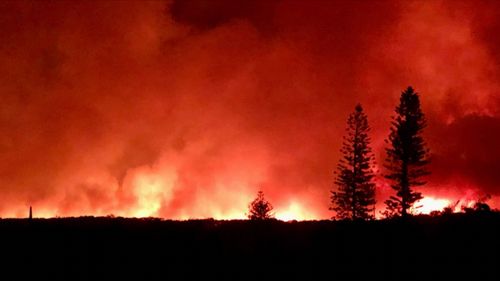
(185, 109)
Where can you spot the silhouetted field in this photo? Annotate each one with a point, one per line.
(87, 248)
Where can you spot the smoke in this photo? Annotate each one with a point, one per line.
(185, 109)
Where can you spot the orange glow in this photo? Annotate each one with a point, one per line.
(294, 211)
(148, 190)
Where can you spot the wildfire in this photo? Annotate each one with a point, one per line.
(295, 211)
(150, 190)
(428, 204)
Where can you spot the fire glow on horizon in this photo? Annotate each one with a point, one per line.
(178, 109)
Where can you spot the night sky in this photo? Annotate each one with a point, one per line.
(185, 109)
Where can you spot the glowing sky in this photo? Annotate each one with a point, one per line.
(184, 109)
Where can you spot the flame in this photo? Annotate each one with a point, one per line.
(428, 204)
(294, 211)
(151, 189)
(148, 190)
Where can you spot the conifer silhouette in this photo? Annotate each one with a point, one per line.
(260, 209)
(355, 195)
(407, 155)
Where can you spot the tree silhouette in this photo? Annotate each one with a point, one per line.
(260, 209)
(407, 155)
(355, 195)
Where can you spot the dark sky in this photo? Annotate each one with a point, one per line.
(187, 108)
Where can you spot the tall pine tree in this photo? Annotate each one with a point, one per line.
(355, 194)
(407, 155)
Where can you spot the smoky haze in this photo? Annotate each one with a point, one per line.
(185, 109)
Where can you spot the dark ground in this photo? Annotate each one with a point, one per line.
(86, 248)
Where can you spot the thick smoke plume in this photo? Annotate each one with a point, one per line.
(185, 109)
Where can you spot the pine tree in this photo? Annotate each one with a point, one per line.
(355, 195)
(260, 209)
(407, 155)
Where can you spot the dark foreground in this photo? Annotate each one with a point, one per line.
(423, 248)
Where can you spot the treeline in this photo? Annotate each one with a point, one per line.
(407, 157)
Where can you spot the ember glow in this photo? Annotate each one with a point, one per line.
(183, 109)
